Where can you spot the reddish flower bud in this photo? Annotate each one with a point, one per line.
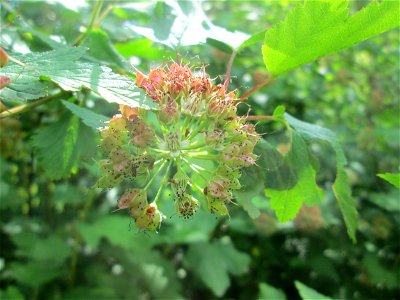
(3, 57)
(133, 199)
(4, 81)
(141, 79)
(129, 113)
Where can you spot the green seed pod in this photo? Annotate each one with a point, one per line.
(186, 206)
(106, 182)
(179, 184)
(117, 123)
(150, 218)
(216, 206)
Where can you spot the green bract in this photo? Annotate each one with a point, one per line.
(196, 140)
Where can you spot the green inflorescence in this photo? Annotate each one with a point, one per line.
(195, 142)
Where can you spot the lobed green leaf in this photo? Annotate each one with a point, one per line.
(318, 28)
(88, 117)
(61, 145)
(392, 178)
(65, 68)
(204, 257)
(287, 202)
(267, 291)
(307, 293)
(341, 186)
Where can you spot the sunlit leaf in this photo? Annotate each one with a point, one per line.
(318, 28)
(392, 178)
(288, 202)
(341, 186)
(65, 68)
(101, 48)
(87, 116)
(267, 291)
(183, 24)
(307, 293)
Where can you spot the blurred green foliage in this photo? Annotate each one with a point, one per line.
(61, 240)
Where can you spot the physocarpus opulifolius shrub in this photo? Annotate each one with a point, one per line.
(195, 141)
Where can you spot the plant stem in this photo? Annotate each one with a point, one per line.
(229, 69)
(259, 118)
(163, 181)
(95, 13)
(103, 15)
(201, 155)
(155, 175)
(256, 88)
(200, 126)
(194, 146)
(24, 107)
(195, 170)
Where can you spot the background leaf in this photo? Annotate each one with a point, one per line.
(61, 145)
(267, 291)
(204, 258)
(288, 202)
(392, 178)
(307, 293)
(341, 186)
(87, 116)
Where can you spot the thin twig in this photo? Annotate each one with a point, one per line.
(103, 15)
(95, 13)
(260, 118)
(259, 85)
(21, 108)
(229, 70)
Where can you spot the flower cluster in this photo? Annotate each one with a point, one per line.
(195, 139)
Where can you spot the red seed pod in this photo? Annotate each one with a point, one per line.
(156, 80)
(141, 79)
(4, 81)
(179, 78)
(3, 57)
(201, 84)
(133, 199)
(128, 113)
(218, 188)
